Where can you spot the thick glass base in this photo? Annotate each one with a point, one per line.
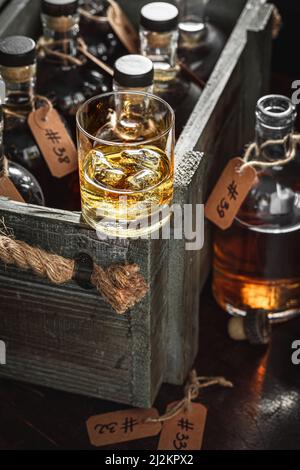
(107, 228)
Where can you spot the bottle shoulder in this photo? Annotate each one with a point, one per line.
(26, 184)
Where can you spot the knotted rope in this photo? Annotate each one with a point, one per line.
(192, 391)
(122, 286)
(290, 143)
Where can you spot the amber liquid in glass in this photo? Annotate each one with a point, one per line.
(257, 260)
(125, 184)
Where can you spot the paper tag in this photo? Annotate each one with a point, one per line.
(54, 141)
(8, 189)
(229, 193)
(184, 431)
(122, 27)
(122, 426)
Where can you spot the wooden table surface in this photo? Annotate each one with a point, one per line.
(261, 412)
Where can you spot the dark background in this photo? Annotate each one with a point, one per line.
(286, 51)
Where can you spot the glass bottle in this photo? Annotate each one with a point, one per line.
(257, 260)
(66, 82)
(97, 32)
(200, 41)
(159, 41)
(22, 179)
(18, 70)
(130, 113)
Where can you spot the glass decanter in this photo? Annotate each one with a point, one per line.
(18, 70)
(23, 180)
(257, 261)
(66, 77)
(200, 41)
(97, 32)
(159, 41)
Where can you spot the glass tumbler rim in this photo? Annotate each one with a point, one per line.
(121, 143)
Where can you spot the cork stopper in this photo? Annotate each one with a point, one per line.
(254, 327)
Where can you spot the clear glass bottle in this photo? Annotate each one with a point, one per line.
(200, 41)
(97, 32)
(159, 41)
(131, 115)
(18, 70)
(23, 180)
(66, 83)
(257, 261)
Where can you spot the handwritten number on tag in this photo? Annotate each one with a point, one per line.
(122, 426)
(229, 193)
(54, 141)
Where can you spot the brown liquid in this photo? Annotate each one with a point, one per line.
(257, 262)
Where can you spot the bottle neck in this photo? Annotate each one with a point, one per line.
(20, 88)
(131, 115)
(275, 119)
(161, 48)
(61, 33)
(95, 7)
(118, 87)
(192, 22)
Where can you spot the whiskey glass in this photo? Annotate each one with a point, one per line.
(126, 162)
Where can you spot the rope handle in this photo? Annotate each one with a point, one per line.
(121, 286)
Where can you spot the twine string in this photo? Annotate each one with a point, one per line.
(3, 167)
(89, 16)
(46, 48)
(290, 143)
(47, 107)
(81, 47)
(276, 22)
(192, 391)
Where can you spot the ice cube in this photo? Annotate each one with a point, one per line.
(99, 160)
(143, 179)
(109, 176)
(145, 158)
(105, 173)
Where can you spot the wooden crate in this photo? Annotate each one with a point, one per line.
(69, 338)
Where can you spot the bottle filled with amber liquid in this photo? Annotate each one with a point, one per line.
(25, 186)
(18, 71)
(256, 260)
(159, 41)
(97, 31)
(200, 41)
(65, 76)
